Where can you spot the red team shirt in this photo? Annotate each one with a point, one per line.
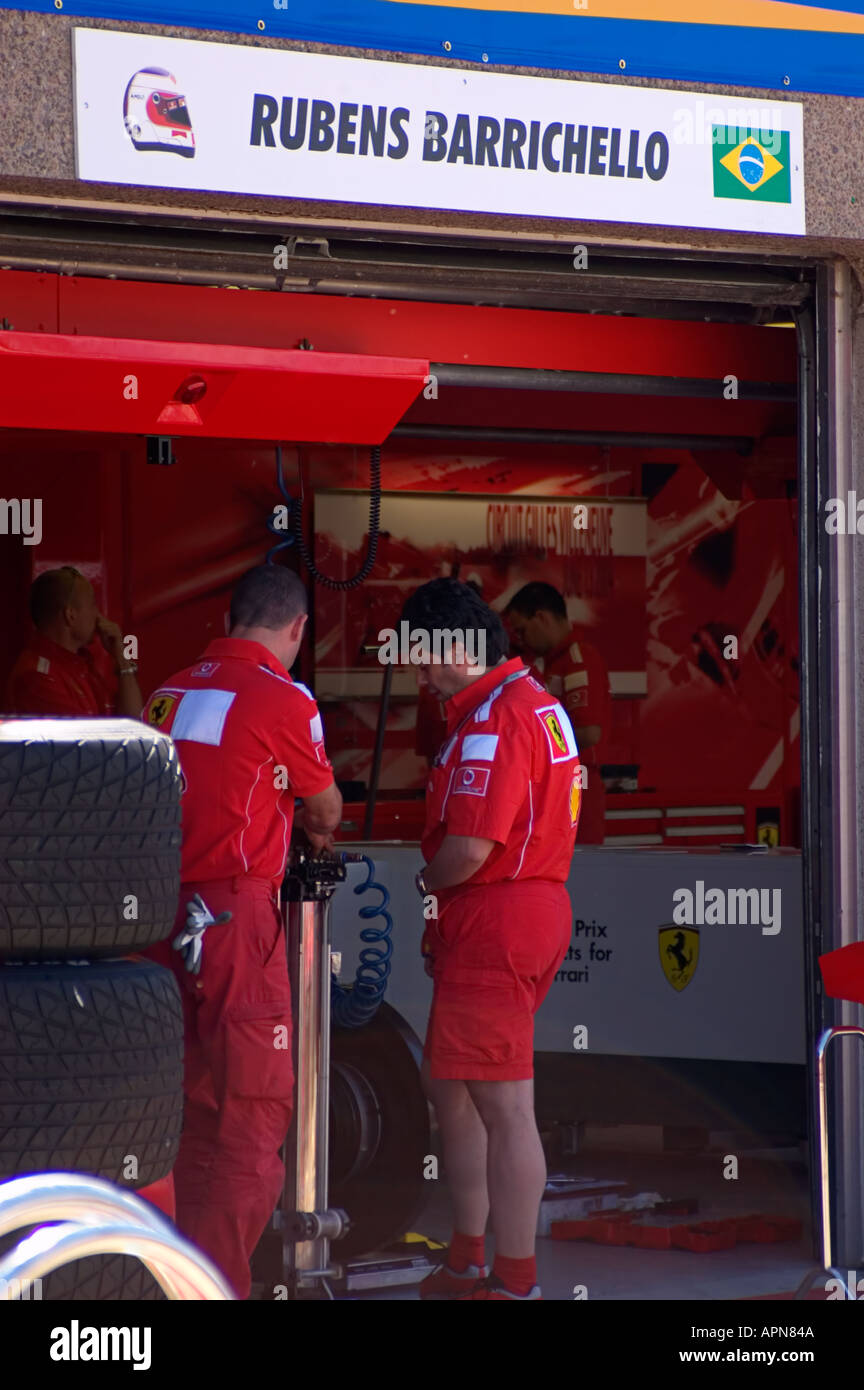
(46, 679)
(575, 673)
(509, 772)
(250, 740)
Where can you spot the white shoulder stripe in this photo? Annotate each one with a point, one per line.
(479, 746)
(266, 669)
(201, 716)
(446, 750)
(484, 711)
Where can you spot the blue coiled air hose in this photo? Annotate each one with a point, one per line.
(352, 1007)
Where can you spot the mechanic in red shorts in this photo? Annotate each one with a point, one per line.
(502, 808)
(575, 673)
(250, 740)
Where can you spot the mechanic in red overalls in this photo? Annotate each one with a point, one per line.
(250, 740)
(502, 807)
(575, 673)
(74, 662)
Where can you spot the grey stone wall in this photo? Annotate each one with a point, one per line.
(37, 148)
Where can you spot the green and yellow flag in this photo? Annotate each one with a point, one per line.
(748, 169)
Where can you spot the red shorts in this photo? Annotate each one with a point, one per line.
(495, 950)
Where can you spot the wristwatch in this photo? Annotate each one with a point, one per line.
(420, 884)
(131, 670)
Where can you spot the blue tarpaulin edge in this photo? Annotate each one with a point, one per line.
(789, 61)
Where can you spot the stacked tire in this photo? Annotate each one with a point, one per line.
(91, 1037)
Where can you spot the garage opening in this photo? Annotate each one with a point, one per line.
(632, 439)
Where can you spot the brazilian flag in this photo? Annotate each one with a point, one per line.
(746, 168)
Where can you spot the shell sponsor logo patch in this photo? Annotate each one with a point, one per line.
(575, 798)
(472, 780)
(160, 708)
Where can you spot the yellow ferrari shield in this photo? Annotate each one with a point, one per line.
(555, 730)
(160, 708)
(768, 833)
(679, 954)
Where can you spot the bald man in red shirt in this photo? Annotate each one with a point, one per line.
(250, 740)
(502, 808)
(74, 663)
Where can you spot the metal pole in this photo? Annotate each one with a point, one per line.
(824, 1166)
(308, 1224)
(311, 1163)
(741, 444)
(374, 775)
(602, 383)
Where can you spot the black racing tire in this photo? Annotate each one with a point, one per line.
(91, 1070)
(380, 1134)
(89, 838)
(98, 1279)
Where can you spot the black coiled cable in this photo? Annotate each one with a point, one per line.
(374, 522)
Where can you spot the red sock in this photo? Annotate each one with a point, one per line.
(466, 1250)
(519, 1276)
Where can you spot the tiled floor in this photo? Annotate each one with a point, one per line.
(609, 1272)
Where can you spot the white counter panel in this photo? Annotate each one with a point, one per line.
(743, 1001)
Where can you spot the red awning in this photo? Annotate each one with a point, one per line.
(137, 386)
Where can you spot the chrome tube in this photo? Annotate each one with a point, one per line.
(824, 1170)
(308, 936)
(97, 1219)
(174, 1264)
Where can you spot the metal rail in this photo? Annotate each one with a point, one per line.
(824, 1170)
(96, 1218)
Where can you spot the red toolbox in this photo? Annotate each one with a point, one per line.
(651, 1237)
(768, 1230)
(703, 1236)
(609, 1228)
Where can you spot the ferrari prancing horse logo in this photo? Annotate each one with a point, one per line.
(555, 730)
(679, 955)
(161, 708)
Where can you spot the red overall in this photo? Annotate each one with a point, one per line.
(250, 740)
(46, 679)
(575, 673)
(509, 773)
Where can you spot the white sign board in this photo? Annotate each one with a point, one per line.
(639, 977)
(177, 113)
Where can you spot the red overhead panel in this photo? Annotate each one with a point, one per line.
(134, 386)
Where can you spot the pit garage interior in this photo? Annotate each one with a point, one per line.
(631, 427)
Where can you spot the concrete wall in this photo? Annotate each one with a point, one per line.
(37, 148)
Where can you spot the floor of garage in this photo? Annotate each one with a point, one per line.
(771, 1186)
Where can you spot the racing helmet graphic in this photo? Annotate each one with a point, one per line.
(155, 113)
